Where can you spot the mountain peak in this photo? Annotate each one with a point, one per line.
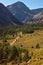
(19, 10)
(19, 2)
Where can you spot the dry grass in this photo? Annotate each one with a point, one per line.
(29, 40)
(39, 62)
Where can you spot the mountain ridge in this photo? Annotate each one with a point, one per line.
(19, 10)
(36, 11)
(19, 13)
(23, 13)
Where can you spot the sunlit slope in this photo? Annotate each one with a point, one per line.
(29, 40)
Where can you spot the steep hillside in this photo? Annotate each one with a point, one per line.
(39, 17)
(6, 17)
(20, 11)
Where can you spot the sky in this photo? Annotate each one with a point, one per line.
(32, 4)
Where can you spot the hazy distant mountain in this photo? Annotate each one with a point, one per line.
(36, 11)
(6, 17)
(20, 11)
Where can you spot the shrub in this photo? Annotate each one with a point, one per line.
(37, 46)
